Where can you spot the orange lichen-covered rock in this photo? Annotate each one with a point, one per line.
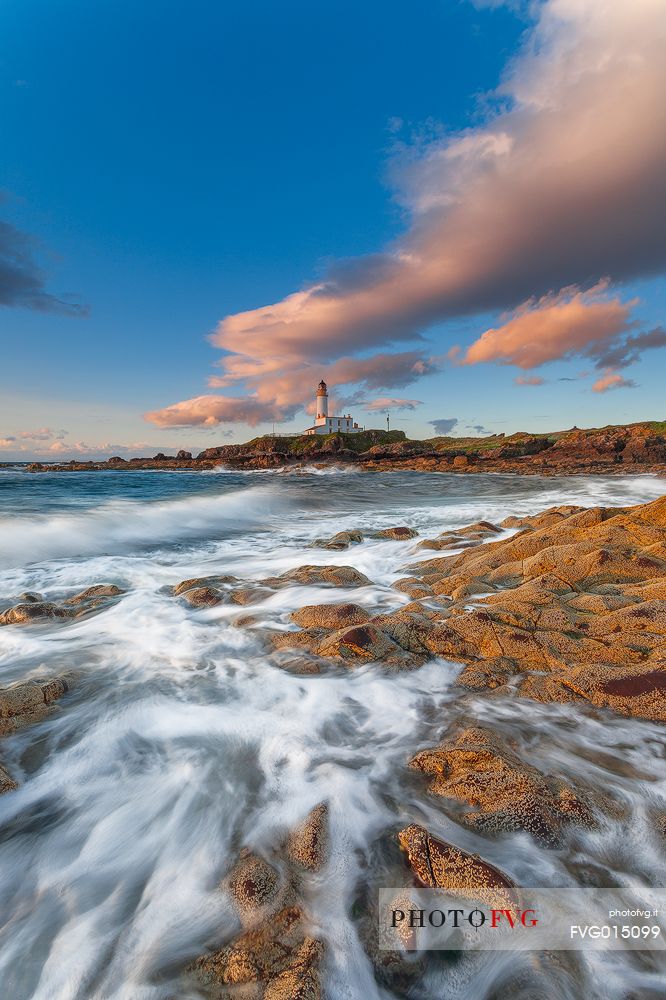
(330, 616)
(307, 845)
(503, 793)
(439, 865)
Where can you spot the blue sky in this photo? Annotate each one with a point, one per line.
(174, 164)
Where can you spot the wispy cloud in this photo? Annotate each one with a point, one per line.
(391, 403)
(23, 282)
(529, 380)
(444, 424)
(629, 350)
(612, 380)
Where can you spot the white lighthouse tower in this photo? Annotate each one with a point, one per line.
(321, 409)
(324, 424)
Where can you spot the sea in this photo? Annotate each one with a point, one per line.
(183, 740)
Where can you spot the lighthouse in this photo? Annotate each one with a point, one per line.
(321, 407)
(325, 424)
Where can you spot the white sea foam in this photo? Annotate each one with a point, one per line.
(183, 741)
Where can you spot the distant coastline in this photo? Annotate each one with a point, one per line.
(626, 448)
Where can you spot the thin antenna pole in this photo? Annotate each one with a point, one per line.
(388, 422)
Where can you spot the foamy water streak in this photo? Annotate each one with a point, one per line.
(182, 741)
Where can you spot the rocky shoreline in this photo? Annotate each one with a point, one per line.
(615, 450)
(566, 606)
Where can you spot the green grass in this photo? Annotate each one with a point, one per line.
(303, 444)
(312, 442)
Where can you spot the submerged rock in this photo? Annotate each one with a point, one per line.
(470, 535)
(7, 784)
(307, 845)
(25, 703)
(33, 608)
(635, 690)
(204, 597)
(254, 885)
(300, 979)
(249, 595)
(503, 793)
(275, 956)
(256, 956)
(399, 534)
(33, 611)
(95, 593)
(341, 540)
(200, 582)
(414, 588)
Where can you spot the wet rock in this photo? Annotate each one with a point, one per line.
(300, 979)
(33, 611)
(414, 588)
(479, 529)
(307, 638)
(491, 675)
(439, 865)
(199, 582)
(307, 845)
(503, 793)
(638, 690)
(204, 597)
(330, 616)
(576, 595)
(250, 595)
(95, 593)
(409, 627)
(29, 597)
(254, 885)
(22, 704)
(257, 956)
(361, 642)
(470, 535)
(398, 534)
(303, 666)
(7, 784)
(333, 576)
(341, 540)
(245, 621)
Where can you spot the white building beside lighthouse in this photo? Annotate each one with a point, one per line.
(325, 424)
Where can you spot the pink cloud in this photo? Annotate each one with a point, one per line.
(24, 444)
(391, 403)
(210, 410)
(528, 380)
(278, 394)
(554, 327)
(563, 184)
(611, 380)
